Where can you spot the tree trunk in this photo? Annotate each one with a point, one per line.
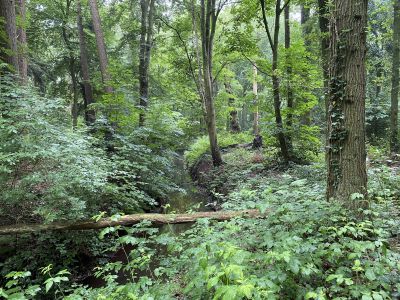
(22, 45)
(394, 108)
(256, 114)
(305, 16)
(130, 220)
(9, 47)
(101, 47)
(289, 92)
(146, 37)
(323, 14)
(346, 153)
(208, 20)
(90, 116)
(234, 125)
(274, 43)
(71, 66)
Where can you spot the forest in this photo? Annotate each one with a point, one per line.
(199, 149)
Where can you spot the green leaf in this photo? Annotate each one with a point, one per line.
(370, 274)
(49, 284)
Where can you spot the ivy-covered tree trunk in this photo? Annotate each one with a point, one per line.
(90, 116)
(146, 37)
(394, 108)
(8, 43)
(22, 44)
(208, 21)
(101, 46)
(234, 125)
(346, 153)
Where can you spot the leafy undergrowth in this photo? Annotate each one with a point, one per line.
(305, 248)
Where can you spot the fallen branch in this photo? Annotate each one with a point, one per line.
(129, 220)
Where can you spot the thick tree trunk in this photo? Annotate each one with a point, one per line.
(9, 47)
(22, 44)
(234, 125)
(256, 114)
(289, 92)
(146, 37)
(394, 108)
(208, 20)
(101, 47)
(130, 220)
(90, 116)
(346, 153)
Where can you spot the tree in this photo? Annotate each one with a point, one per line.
(346, 153)
(8, 43)
(394, 108)
(273, 39)
(71, 60)
(101, 46)
(323, 11)
(146, 40)
(234, 125)
(256, 122)
(22, 43)
(90, 116)
(289, 92)
(208, 22)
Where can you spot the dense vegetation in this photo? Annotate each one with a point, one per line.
(284, 111)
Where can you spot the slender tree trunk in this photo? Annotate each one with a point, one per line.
(346, 154)
(90, 116)
(208, 19)
(146, 37)
(289, 95)
(22, 45)
(101, 47)
(256, 120)
(274, 43)
(8, 47)
(324, 29)
(305, 16)
(234, 125)
(71, 66)
(394, 108)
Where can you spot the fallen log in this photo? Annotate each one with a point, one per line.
(129, 220)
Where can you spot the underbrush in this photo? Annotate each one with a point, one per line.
(202, 144)
(304, 247)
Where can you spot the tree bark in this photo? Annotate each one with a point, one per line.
(273, 41)
(146, 40)
(256, 114)
(346, 153)
(71, 66)
(305, 16)
(234, 125)
(323, 13)
(22, 43)
(101, 47)
(9, 47)
(90, 116)
(289, 91)
(130, 220)
(208, 20)
(394, 108)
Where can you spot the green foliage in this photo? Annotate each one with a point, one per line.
(202, 144)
